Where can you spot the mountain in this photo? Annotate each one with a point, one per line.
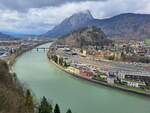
(127, 25)
(90, 36)
(5, 36)
(70, 24)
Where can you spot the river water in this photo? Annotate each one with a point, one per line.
(45, 79)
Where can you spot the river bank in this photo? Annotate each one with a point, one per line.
(118, 87)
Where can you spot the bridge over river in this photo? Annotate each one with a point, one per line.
(45, 79)
(42, 48)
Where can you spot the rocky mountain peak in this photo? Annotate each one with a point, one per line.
(80, 18)
(71, 24)
(86, 14)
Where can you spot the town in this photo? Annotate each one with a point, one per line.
(105, 64)
(9, 49)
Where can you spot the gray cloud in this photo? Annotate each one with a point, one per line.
(39, 18)
(24, 5)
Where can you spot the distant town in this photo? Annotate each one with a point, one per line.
(9, 49)
(123, 65)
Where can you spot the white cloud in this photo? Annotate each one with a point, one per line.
(37, 20)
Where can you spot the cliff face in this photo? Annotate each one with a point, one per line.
(85, 37)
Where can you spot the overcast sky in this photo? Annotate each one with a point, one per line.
(38, 16)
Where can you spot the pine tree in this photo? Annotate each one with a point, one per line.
(45, 107)
(29, 101)
(28, 98)
(57, 110)
(65, 64)
(69, 111)
(61, 60)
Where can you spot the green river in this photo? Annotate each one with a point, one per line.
(45, 79)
